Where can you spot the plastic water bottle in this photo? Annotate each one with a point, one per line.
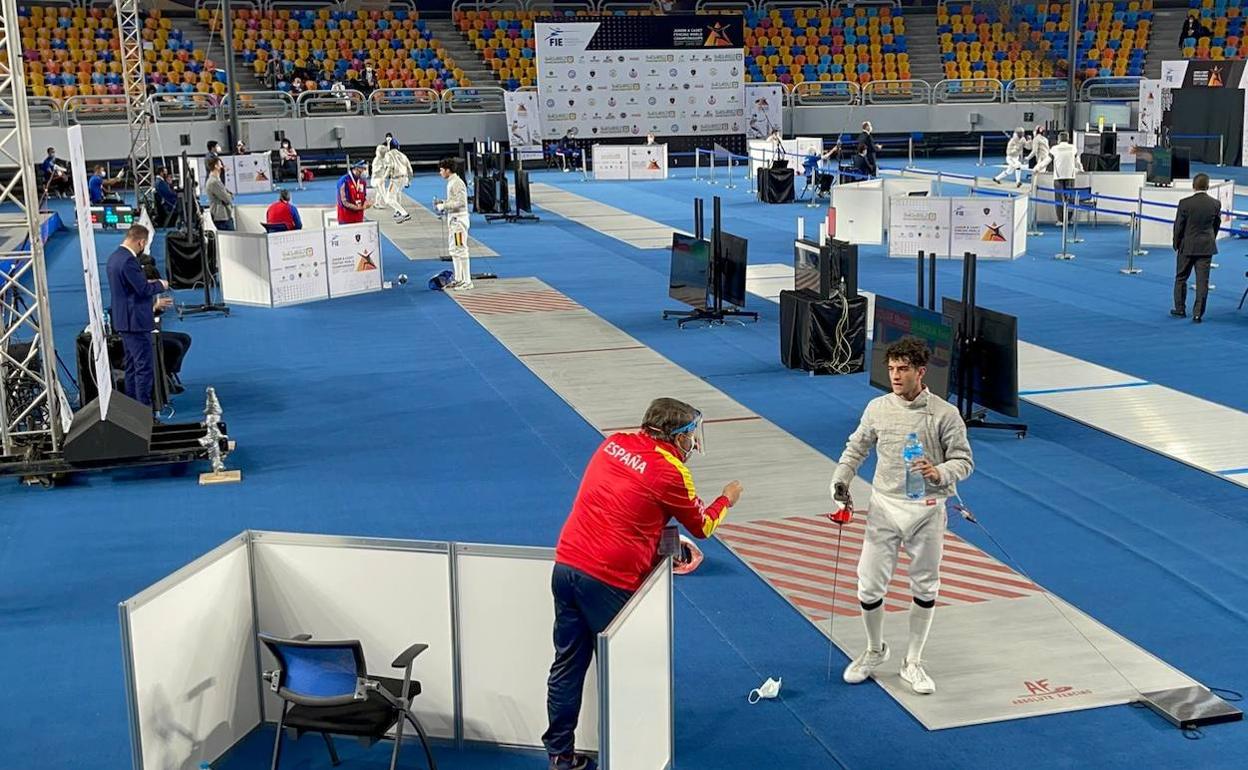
(916, 485)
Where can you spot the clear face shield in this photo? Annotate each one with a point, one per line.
(694, 436)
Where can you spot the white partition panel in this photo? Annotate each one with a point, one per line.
(506, 620)
(1019, 234)
(389, 594)
(636, 658)
(243, 259)
(190, 660)
(859, 211)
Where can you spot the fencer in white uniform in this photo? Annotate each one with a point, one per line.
(895, 521)
(455, 209)
(378, 175)
(392, 171)
(1014, 150)
(1039, 151)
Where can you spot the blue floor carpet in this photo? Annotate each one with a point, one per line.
(396, 414)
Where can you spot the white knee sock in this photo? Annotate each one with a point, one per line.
(874, 621)
(920, 625)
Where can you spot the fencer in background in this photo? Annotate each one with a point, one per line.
(1014, 150)
(455, 209)
(393, 177)
(902, 515)
(1039, 146)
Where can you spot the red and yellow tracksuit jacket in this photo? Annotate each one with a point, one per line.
(633, 486)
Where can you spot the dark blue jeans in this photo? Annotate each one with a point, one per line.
(584, 607)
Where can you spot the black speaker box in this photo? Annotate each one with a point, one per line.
(126, 432)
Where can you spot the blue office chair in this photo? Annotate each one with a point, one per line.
(325, 688)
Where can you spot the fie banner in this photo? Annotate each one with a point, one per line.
(623, 76)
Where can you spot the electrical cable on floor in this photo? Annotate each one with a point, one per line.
(965, 512)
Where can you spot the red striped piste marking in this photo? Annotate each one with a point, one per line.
(796, 556)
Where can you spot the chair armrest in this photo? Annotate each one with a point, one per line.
(407, 656)
(301, 637)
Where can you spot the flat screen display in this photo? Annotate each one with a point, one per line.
(524, 201)
(895, 319)
(689, 278)
(805, 266)
(735, 259)
(996, 374)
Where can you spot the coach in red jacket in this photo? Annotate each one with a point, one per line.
(634, 485)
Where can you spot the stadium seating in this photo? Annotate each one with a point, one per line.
(794, 46)
(1009, 41)
(504, 39)
(789, 46)
(337, 45)
(74, 52)
(1224, 20)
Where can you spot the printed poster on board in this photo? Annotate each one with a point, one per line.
(524, 134)
(918, 224)
(353, 253)
(983, 227)
(610, 161)
(765, 109)
(649, 161)
(253, 173)
(622, 76)
(297, 267)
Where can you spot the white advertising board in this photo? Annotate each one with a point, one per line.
(627, 75)
(918, 224)
(253, 173)
(524, 132)
(649, 161)
(984, 226)
(610, 161)
(297, 267)
(353, 254)
(100, 365)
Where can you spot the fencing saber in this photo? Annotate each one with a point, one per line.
(840, 518)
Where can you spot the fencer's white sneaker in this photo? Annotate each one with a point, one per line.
(865, 665)
(462, 286)
(402, 219)
(912, 673)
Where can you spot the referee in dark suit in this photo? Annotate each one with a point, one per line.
(1195, 242)
(132, 304)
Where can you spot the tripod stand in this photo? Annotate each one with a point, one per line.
(193, 233)
(715, 313)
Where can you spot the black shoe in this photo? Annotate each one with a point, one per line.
(1179, 313)
(176, 388)
(1196, 319)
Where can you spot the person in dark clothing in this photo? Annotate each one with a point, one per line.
(173, 345)
(1191, 28)
(862, 167)
(133, 301)
(1196, 226)
(868, 139)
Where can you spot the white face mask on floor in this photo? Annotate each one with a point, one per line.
(768, 689)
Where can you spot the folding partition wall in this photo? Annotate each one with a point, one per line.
(193, 663)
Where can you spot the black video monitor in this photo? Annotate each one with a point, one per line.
(689, 282)
(524, 201)
(842, 267)
(806, 271)
(996, 369)
(734, 258)
(895, 319)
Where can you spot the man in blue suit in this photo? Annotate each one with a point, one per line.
(133, 301)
